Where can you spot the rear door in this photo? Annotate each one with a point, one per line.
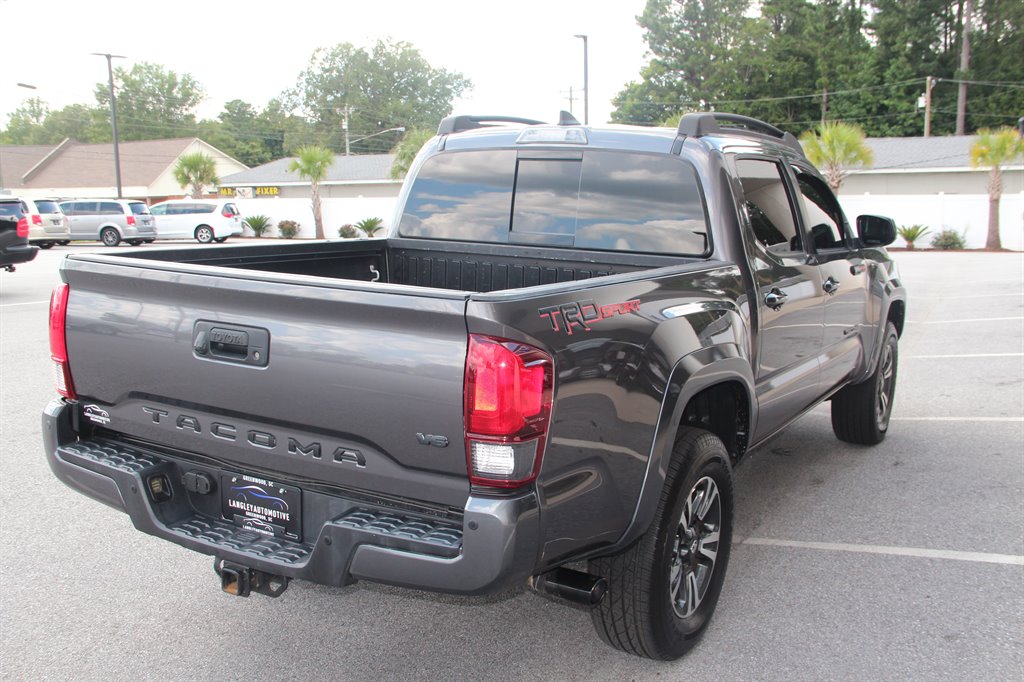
(789, 296)
(346, 376)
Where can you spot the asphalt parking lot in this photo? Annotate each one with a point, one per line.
(903, 561)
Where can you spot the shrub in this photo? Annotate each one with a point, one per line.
(370, 225)
(949, 239)
(911, 233)
(259, 224)
(347, 232)
(288, 229)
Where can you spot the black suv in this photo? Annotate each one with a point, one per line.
(14, 246)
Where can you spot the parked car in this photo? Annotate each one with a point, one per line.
(47, 224)
(110, 220)
(14, 246)
(205, 221)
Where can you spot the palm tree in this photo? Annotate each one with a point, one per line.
(835, 148)
(995, 148)
(195, 171)
(311, 162)
(406, 150)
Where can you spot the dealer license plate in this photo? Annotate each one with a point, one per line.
(262, 506)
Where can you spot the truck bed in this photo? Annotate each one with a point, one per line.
(418, 262)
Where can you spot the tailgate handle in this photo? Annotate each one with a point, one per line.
(231, 343)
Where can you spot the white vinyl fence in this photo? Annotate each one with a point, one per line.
(967, 214)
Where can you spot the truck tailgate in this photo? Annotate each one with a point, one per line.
(347, 378)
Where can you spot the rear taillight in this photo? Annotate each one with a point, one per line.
(58, 341)
(227, 214)
(22, 228)
(131, 220)
(37, 219)
(507, 410)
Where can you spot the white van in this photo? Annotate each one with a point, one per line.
(205, 220)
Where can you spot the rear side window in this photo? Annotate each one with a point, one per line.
(768, 206)
(201, 208)
(592, 200)
(138, 208)
(46, 206)
(231, 209)
(110, 208)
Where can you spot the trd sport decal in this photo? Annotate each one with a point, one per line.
(581, 314)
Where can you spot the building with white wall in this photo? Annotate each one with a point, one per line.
(930, 181)
(355, 188)
(72, 169)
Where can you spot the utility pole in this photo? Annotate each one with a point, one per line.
(929, 82)
(572, 99)
(113, 116)
(586, 81)
(344, 126)
(824, 104)
(965, 64)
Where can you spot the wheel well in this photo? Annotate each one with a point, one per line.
(724, 410)
(897, 311)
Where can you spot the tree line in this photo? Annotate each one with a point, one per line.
(796, 62)
(365, 91)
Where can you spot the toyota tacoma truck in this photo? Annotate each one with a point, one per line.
(545, 374)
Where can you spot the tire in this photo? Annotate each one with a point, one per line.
(64, 242)
(136, 242)
(220, 240)
(204, 234)
(45, 245)
(110, 237)
(148, 241)
(861, 412)
(663, 590)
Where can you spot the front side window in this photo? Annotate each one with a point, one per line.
(822, 215)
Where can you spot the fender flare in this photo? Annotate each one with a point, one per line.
(690, 375)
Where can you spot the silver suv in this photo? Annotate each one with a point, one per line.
(110, 220)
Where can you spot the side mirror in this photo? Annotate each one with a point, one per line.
(876, 230)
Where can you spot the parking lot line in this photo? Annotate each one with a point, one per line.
(977, 557)
(958, 419)
(963, 355)
(8, 305)
(972, 319)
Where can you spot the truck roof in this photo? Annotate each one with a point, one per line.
(720, 131)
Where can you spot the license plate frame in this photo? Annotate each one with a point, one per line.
(263, 506)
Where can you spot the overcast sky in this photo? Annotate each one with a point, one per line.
(522, 56)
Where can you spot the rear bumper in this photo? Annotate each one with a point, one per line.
(493, 546)
(21, 253)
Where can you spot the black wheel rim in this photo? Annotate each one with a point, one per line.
(886, 386)
(695, 548)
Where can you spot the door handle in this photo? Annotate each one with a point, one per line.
(775, 298)
(830, 285)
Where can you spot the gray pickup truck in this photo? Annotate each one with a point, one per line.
(545, 375)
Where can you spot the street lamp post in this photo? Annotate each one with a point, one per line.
(586, 83)
(113, 116)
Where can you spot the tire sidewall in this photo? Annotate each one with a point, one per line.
(110, 242)
(709, 458)
(206, 231)
(891, 340)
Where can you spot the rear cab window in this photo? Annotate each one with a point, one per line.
(138, 208)
(586, 199)
(11, 209)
